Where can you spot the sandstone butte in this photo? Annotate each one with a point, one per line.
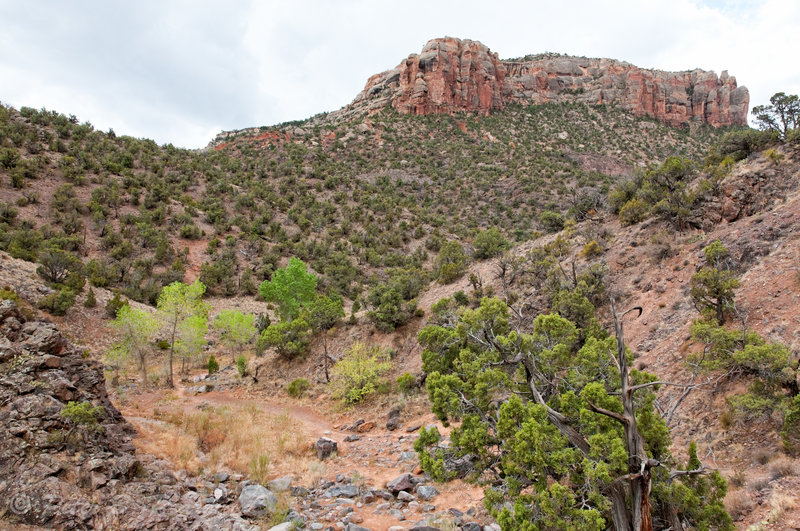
(453, 75)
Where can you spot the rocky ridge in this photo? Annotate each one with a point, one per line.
(452, 75)
(76, 472)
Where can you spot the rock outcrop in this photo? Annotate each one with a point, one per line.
(79, 471)
(453, 75)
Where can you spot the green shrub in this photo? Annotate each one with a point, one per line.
(591, 249)
(551, 221)
(406, 382)
(114, 304)
(241, 365)
(90, 301)
(489, 243)
(298, 387)
(57, 303)
(359, 372)
(6, 293)
(213, 365)
(634, 211)
(162, 344)
(790, 432)
(82, 414)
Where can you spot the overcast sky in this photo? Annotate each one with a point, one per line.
(181, 71)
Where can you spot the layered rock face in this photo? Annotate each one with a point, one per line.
(453, 75)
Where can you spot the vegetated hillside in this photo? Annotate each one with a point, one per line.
(351, 198)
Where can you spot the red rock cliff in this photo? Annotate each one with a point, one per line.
(453, 75)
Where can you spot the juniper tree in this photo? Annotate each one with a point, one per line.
(558, 424)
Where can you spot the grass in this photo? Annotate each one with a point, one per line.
(242, 438)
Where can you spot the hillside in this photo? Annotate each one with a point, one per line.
(453, 219)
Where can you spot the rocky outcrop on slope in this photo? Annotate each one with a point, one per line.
(453, 75)
(78, 472)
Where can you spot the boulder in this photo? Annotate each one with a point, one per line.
(256, 501)
(426, 492)
(401, 482)
(325, 447)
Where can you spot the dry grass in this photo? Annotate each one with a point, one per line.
(739, 503)
(242, 438)
(781, 468)
(780, 503)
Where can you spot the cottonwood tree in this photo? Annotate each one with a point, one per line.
(135, 329)
(323, 314)
(558, 424)
(190, 338)
(177, 303)
(291, 288)
(236, 328)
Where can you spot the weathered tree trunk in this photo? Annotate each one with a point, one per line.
(638, 462)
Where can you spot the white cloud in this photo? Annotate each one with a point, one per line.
(179, 71)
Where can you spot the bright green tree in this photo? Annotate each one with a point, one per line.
(191, 337)
(323, 314)
(236, 328)
(359, 371)
(291, 288)
(134, 329)
(558, 424)
(176, 303)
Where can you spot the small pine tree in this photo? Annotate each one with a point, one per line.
(90, 301)
(213, 365)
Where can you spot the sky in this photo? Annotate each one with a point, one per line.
(180, 71)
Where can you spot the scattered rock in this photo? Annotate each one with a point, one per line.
(402, 482)
(325, 447)
(426, 492)
(256, 501)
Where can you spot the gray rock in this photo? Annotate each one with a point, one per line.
(352, 438)
(280, 484)
(286, 526)
(405, 496)
(354, 527)
(341, 491)
(324, 447)
(256, 501)
(393, 423)
(220, 477)
(402, 482)
(426, 492)
(471, 526)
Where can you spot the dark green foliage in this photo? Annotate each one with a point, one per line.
(114, 304)
(489, 243)
(450, 264)
(90, 301)
(781, 115)
(406, 382)
(213, 365)
(790, 432)
(241, 365)
(57, 265)
(290, 339)
(57, 302)
(530, 404)
(298, 387)
(551, 221)
(714, 284)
